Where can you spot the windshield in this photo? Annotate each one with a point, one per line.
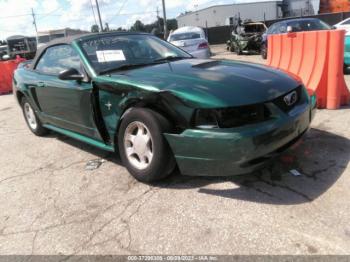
(184, 36)
(106, 52)
(308, 25)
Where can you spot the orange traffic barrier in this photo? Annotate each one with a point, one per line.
(6, 74)
(317, 57)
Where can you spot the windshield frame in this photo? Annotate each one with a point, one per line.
(97, 71)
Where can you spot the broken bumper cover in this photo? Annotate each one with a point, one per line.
(234, 151)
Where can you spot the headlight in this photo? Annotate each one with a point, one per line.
(231, 117)
(206, 119)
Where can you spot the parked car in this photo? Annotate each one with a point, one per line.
(246, 38)
(23, 46)
(192, 40)
(347, 53)
(292, 25)
(345, 24)
(3, 51)
(158, 107)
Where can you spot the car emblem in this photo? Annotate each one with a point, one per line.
(291, 98)
(108, 105)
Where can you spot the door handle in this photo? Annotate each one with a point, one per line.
(41, 84)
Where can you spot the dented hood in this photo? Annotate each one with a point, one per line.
(212, 83)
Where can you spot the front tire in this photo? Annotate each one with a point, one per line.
(32, 120)
(238, 50)
(143, 149)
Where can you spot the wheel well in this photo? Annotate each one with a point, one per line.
(19, 96)
(141, 104)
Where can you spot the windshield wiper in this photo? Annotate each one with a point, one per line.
(122, 67)
(171, 58)
(129, 66)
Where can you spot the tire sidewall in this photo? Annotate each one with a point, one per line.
(39, 130)
(162, 156)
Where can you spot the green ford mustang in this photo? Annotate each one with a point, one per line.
(159, 107)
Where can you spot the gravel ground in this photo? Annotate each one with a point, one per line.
(51, 204)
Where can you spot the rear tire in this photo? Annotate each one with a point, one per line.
(232, 49)
(238, 50)
(142, 146)
(32, 120)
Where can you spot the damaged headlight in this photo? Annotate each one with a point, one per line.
(231, 117)
(206, 118)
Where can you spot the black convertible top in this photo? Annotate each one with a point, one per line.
(70, 39)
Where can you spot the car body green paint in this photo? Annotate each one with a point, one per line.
(236, 150)
(176, 89)
(80, 137)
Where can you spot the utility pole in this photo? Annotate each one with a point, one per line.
(158, 21)
(34, 21)
(165, 24)
(99, 16)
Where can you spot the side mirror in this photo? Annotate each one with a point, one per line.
(289, 29)
(71, 74)
(5, 57)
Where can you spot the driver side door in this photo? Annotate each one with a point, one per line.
(64, 103)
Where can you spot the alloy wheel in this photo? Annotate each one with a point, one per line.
(30, 116)
(138, 145)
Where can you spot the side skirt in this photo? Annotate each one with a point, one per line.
(82, 138)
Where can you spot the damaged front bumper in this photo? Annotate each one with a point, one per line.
(234, 151)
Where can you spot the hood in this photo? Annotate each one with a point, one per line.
(211, 83)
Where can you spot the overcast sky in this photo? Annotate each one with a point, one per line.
(15, 17)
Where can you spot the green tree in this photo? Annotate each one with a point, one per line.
(138, 26)
(95, 29)
(106, 27)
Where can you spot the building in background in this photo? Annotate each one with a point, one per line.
(220, 15)
(291, 8)
(333, 6)
(47, 36)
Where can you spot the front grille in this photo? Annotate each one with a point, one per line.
(279, 101)
(243, 115)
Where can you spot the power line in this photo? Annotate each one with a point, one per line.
(14, 16)
(165, 23)
(29, 14)
(34, 22)
(120, 9)
(122, 6)
(93, 12)
(50, 14)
